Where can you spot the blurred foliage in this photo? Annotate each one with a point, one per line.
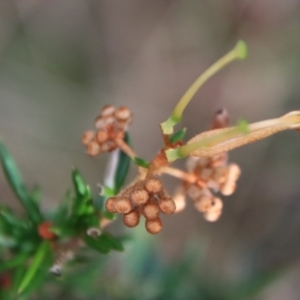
(27, 253)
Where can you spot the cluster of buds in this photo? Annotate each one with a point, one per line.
(111, 125)
(212, 175)
(146, 197)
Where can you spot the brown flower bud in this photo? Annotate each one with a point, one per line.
(131, 219)
(153, 185)
(151, 211)
(110, 204)
(87, 137)
(101, 136)
(167, 206)
(228, 188)
(179, 199)
(122, 114)
(234, 172)
(107, 110)
(206, 174)
(100, 123)
(93, 148)
(221, 119)
(139, 197)
(212, 215)
(217, 204)
(123, 205)
(203, 204)
(154, 226)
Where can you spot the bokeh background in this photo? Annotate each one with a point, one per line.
(61, 61)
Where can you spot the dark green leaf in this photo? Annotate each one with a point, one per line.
(13, 262)
(16, 182)
(79, 184)
(41, 256)
(97, 244)
(113, 242)
(178, 136)
(123, 167)
(141, 162)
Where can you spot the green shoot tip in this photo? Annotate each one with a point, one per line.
(241, 49)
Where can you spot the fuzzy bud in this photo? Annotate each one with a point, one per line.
(107, 110)
(110, 204)
(167, 206)
(101, 136)
(123, 114)
(151, 211)
(212, 215)
(139, 197)
(87, 137)
(228, 188)
(203, 204)
(154, 226)
(131, 219)
(179, 199)
(123, 205)
(153, 185)
(93, 148)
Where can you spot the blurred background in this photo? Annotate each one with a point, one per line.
(61, 61)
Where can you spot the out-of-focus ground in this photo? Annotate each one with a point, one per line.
(61, 61)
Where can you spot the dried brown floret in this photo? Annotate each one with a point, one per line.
(123, 114)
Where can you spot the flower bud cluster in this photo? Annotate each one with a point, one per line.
(111, 124)
(213, 174)
(148, 198)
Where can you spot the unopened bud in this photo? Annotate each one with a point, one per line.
(110, 204)
(228, 188)
(131, 219)
(101, 136)
(107, 110)
(87, 137)
(123, 205)
(167, 206)
(151, 211)
(154, 226)
(179, 199)
(221, 119)
(139, 197)
(203, 204)
(93, 148)
(122, 114)
(212, 215)
(153, 185)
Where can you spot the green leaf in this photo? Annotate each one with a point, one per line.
(178, 136)
(113, 242)
(13, 262)
(141, 162)
(42, 254)
(97, 244)
(79, 184)
(16, 182)
(123, 167)
(243, 126)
